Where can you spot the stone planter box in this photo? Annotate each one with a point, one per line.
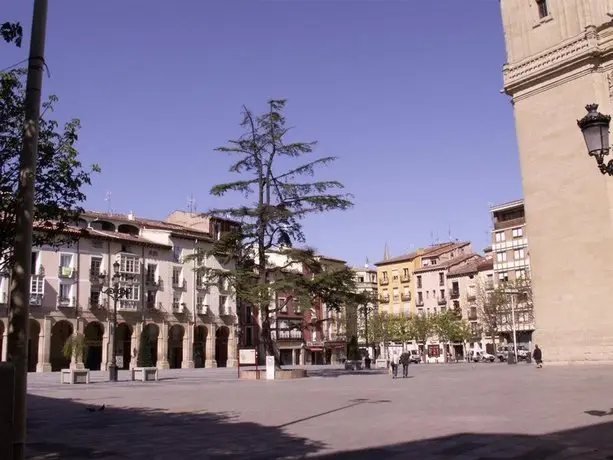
(73, 376)
(381, 364)
(283, 374)
(145, 374)
(353, 365)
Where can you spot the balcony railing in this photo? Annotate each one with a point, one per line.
(128, 305)
(153, 281)
(179, 284)
(384, 282)
(96, 276)
(286, 334)
(66, 272)
(454, 294)
(419, 303)
(442, 301)
(498, 225)
(225, 310)
(406, 297)
(202, 309)
(384, 299)
(178, 307)
(66, 302)
(405, 279)
(36, 300)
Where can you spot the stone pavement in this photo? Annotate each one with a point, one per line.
(457, 411)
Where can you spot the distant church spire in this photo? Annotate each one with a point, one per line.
(386, 252)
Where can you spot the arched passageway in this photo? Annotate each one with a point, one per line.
(152, 332)
(200, 334)
(33, 338)
(175, 346)
(221, 346)
(123, 350)
(60, 333)
(94, 332)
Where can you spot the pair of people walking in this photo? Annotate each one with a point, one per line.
(398, 359)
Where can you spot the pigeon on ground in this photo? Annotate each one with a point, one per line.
(101, 408)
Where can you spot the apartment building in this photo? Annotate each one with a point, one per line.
(190, 322)
(469, 285)
(315, 335)
(395, 274)
(509, 241)
(366, 281)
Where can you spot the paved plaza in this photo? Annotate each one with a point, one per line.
(456, 411)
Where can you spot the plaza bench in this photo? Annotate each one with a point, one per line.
(73, 376)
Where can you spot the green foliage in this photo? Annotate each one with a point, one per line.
(60, 176)
(381, 328)
(401, 328)
(144, 358)
(353, 349)
(75, 346)
(275, 200)
(12, 32)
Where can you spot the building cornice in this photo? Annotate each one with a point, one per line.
(584, 52)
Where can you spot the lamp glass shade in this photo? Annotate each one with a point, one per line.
(102, 278)
(596, 137)
(116, 267)
(116, 278)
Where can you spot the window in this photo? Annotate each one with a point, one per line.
(95, 265)
(384, 276)
(176, 253)
(37, 286)
(360, 279)
(518, 254)
(441, 279)
(520, 274)
(176, 276)
(503, 276)
(499, 236)
(151, 270)
(518, 232)
(542, 8)
(501, 257)
(406, 293)
(129, 264)
(455, 288)
(281, 304)
(395, 293)
(418, 281)
(405, 273)
(223, 301)
(176, 302)
(65, 260)
(64, 292)
(151, 299)
(386, 295)
(394, 275)
(132, 293)
(94, 298)
(442, 293)
(420, 298)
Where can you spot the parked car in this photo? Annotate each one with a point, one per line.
(415, 356)
(522, 352)
(482, 356)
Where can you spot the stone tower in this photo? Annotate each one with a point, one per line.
(560, 58)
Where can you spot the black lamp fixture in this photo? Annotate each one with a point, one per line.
(595, 129)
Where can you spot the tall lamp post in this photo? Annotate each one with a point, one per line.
(595, 129)
(237, 336)
(116, 292)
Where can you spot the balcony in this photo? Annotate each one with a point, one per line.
(178, 307)
(471, 297)
(224, 310)
(128, 305)
(179, 284)
(442, 301)
(153, 281)
(66, 302)
(66, 272)
(406, 297)
(96, 277)
(472, 316)
(384, 299)
(202, 309)
(36, 300)
(499, 225)
(419, 303)
(287, 334)
(454, 294)
(384, 282)
(405, 279)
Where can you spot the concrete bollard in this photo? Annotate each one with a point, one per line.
(7, 390)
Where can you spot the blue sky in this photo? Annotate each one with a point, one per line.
(405, 93)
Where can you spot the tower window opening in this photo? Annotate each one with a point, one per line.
(542, 7)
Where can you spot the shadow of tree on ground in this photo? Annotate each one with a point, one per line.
(67, 429)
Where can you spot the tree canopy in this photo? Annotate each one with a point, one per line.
(60, 176)
(275, 198)
(12, 32)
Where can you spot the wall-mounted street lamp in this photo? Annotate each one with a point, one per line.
(116, 293)
(595, 129)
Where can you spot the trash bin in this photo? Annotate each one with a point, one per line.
(511, 359)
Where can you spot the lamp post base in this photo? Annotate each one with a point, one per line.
(113, 372)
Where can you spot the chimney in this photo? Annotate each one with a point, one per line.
(130, 215)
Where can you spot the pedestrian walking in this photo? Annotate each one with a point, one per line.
(537, 355)
(405, 360)
(395, 361)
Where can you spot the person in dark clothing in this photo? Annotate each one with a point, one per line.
(537, 355)
(405, 360)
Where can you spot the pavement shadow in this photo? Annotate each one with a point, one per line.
(593, 442)
(71, 430)
(342, 372)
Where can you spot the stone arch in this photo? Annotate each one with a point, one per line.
(103, 225)
(221, 346)
(200, 335)
(93, 333)
(60, 333)
(123, 346)
(33, 338)
(175, 346)
(153, 332)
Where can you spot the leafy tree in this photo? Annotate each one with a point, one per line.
(422, 327)
(144, 358)
(402, 329)
(75, 346)
(60, 176)
(272, 221)
(353, 349)
(381, 329)
(12, 32)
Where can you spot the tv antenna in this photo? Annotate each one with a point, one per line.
(191, 204)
